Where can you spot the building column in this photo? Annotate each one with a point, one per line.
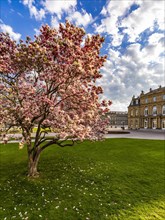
(149, 123)
(142, 123)
(158, 122)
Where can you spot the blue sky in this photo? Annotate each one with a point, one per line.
(133, 31)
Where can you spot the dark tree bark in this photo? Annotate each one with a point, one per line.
(33, 155)
(33, 158)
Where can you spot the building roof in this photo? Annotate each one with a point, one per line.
(160, 89)
(133, 101)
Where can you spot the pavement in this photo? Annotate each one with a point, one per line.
(137, 134)
(140, 134)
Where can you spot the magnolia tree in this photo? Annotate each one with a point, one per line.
(49, 83)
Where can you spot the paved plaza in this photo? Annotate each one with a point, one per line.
(140, 134)
(137, 134)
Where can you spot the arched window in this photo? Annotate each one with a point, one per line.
(131, 123)
(154, 110)
(163, 124)
(136, 112)
(154, 98)
(146, 111)
(154, 124)
(136, 124)
(163, 110)
(145, 123)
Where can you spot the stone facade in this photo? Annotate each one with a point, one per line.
(147, 110)
(118, 118)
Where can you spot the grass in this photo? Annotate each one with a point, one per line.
(116, 179)
(35, 129)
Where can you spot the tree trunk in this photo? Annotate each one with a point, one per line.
(33, 155)
(33, 158)
(33, 164)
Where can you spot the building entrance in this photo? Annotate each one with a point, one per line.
(154, 124)
(146, 123)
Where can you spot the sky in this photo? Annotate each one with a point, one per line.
(134, 32)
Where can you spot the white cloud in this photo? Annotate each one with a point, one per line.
(82, 18)
(134, 23)
(37, 31)
(126, 75)
(155, 38)
(54, 22)
(143, 18)
(8, 29)
(58, 7)
(104, 11)
(84, 38)
(110, 24)
(38, 14)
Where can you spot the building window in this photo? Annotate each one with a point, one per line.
(154, 110)
(163, 97)
(163, 110)
(131, 112)
(145, 123)
(146, 100)
(131, 124)
(154, 98)
(145, 111)
(163, 124)
(136, 112)
(154, 124)
(136, 124)
(137, 101)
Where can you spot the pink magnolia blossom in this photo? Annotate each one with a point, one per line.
(49, 83)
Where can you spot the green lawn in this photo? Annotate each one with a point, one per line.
(116, 179)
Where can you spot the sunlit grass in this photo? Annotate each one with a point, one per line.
(116, 179)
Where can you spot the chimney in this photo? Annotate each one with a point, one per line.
(150, 89)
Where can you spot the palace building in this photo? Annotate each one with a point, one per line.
(118, 119)
(147, 110)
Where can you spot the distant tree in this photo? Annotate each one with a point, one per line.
(49, 83)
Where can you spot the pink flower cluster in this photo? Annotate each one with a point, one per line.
(50, 82)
